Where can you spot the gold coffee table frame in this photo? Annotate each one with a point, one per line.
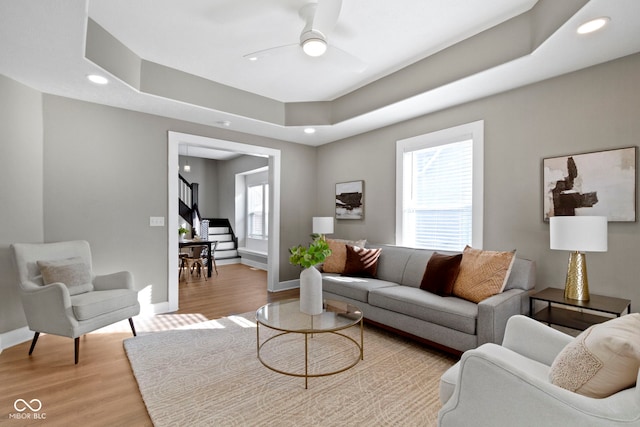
(285, 316)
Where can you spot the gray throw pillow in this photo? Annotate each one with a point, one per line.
(72, 272)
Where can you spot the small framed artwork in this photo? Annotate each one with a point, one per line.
(601, 183)
(350, 200)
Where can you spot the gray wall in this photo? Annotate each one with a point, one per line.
(20, 188)
(204, 172)
(106, 173)
(594, 109)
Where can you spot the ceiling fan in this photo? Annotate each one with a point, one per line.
(320, 18)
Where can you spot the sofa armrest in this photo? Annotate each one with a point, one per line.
(498, 387)
(494, 312)
(119, 280)
(534, 340)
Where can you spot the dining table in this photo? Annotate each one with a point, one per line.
(186, 243)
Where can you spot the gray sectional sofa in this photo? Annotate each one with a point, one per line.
(394, 300)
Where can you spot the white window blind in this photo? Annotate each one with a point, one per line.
(258, 211)
(438, 211)
(437, 207)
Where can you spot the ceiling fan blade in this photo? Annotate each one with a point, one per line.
(326, 16)
(278, 50)
(344, 59)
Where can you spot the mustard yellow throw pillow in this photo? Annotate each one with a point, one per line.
(482, 273)
(602, 360)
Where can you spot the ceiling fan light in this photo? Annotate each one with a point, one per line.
(314, 47)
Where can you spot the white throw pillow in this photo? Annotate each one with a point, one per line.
(602, 360)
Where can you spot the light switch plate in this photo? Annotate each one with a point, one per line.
(156, 221)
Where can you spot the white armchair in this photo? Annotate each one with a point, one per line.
(509, 385)
(73, 307)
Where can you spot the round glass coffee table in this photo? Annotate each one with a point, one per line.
(286, 318)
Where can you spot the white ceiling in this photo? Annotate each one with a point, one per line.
(42, 44)
(209, 38)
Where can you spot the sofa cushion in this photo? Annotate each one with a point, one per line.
(522, 275)
(336, 261)
(356, 288)
(73, 272)
(482, 273)
(441, 273)
(92, 304)
(393, 261)
(450, 312)
(361, 262)
(602, 360)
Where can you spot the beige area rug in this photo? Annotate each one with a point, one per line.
(212, 377)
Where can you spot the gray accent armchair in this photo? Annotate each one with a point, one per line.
(53, 309)
(508, 385)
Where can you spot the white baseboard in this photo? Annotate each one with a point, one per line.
(158, 308)
(254, 264)
(288, 284)
(15, 337)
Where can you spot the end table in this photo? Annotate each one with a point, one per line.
(575, 319)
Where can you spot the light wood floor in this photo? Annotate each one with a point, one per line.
(101, 390)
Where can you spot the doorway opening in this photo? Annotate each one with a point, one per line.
(175, 140)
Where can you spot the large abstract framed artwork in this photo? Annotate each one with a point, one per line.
(601, 183)
(350, 200)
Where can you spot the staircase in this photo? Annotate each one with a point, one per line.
(220, 230)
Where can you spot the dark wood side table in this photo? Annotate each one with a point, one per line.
(575, 319)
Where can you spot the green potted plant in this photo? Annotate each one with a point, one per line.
(182, 232)
(310, 278)
(310, 256)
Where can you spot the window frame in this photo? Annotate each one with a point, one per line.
(473, 131)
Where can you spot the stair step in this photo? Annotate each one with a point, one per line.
(220, 237)
(225, 246)
(218, 230)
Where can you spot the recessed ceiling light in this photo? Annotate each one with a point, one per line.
(97, 79)
(593, 25)
(309, 131)
(225, 123)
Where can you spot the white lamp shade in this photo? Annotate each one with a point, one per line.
(323, 225)
(578, 233)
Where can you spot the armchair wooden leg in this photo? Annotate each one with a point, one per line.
(133, 328)
(77, 348)
(33, 342)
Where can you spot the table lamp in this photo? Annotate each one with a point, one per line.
(578, 234)
(322, 225)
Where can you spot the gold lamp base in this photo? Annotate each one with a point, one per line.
(577, 286)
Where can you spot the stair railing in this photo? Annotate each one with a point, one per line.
(187, 198)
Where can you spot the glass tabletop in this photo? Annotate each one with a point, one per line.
(286, 316)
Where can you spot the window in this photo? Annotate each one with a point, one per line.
(439, 188)
(258, 211)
